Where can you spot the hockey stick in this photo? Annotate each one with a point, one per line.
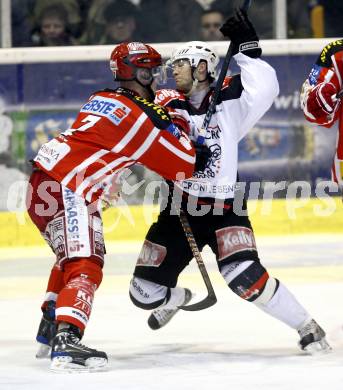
(219, 84)
(211, 298)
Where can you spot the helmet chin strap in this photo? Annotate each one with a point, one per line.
(146, 86)
(194, 84)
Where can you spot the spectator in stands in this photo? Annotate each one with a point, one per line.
(211, 21)
(110, 21)
(170, 20)
(327, 16)
(95, 22)
(72, 8)
(53, 28)
(261, 13)
(120, 23)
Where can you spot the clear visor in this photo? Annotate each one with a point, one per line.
(179, 63)
(159, 74)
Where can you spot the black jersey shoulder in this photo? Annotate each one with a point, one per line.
(330, 49)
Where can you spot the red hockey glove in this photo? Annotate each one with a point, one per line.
(322, 100)
(180, 121)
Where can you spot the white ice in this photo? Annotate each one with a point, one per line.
(229, 346)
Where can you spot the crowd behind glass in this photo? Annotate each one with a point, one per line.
(96, 22)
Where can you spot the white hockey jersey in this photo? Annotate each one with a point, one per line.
(243, 100)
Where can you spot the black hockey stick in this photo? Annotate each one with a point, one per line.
(211, 298)
(219, 84)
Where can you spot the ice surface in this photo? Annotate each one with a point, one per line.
(230, 346)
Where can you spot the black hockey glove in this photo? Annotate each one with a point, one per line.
(242, 34)
(202, 154)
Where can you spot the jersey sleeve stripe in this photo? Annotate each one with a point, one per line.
(176, 151)
(108, 180)
(90, 160)
(130, 134)
(99, 174)
(146, 144)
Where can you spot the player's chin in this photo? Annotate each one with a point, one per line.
(182, 87)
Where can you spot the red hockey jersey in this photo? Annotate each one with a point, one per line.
(112, 131)
(328, 68)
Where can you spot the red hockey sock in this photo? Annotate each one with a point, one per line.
(55, 285)
(74, 303)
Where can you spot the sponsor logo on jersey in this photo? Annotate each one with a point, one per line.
(112, 109)
(314, 74)
(166, 95)
(211, 189)
(234, 239)
(160, 111)
(51, 153)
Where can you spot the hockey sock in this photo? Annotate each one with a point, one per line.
(74, 303)
(285, 307)
(55, 285)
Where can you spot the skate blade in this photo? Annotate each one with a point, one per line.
(65, 364)
(318, 348)
(43, 351)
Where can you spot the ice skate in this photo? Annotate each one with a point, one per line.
(161, 316)
(312, 339)
(68, 354)
(46, 331)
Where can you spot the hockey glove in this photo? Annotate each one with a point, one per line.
(179, 124)
(242, 34)
(322, 100)
(202, 155)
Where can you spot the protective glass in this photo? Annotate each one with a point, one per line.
(177, 63)
(159, 73)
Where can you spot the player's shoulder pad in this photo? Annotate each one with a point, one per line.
(164, 96)
(330, 49)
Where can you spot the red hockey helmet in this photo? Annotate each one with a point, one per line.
(126, 58)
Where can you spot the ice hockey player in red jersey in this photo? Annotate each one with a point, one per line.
(321, 98)
(208, 198)
(73, 172)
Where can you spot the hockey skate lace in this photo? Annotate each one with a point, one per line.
(77, 341)
(163, 315)
(73, 339)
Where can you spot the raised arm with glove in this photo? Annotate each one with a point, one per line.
(242, 34)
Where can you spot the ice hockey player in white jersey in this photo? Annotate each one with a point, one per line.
(208, 198)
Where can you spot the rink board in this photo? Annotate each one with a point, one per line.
(277, 217)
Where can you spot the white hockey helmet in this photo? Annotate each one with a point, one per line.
(196, 51)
